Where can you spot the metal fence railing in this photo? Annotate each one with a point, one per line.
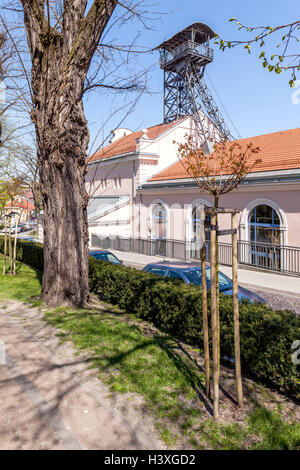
(145, 246)
(277, 258)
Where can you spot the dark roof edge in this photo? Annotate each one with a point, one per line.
(203, 26)
(252, 178)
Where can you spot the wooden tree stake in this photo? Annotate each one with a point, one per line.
(205, 320)
(9, 247)
(214, 319)
(5, 245)
(15, 242)
(237, 350)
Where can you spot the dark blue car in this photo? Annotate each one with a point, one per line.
(190, 273)
(105, 256)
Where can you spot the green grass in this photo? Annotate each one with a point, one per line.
(25, 286)
(272, 431)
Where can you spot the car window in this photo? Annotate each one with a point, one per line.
(158, 271)
(224, 281)
(110, 257)
(194, 276)
(174, 275)
(100, 256)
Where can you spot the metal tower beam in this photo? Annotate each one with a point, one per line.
(184, 58)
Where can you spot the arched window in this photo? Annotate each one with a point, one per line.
(159, 218)
(196, 223)
(196, 219)
(264, 226)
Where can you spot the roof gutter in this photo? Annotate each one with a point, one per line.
(125, 157)
(258, 178)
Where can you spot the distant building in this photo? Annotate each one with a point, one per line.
(140, 170)
(116, 172)
(140, 189)
(26, 203)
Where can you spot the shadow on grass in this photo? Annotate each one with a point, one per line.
(192, 378)
(39, 275)
(223, 390)
(137, 349)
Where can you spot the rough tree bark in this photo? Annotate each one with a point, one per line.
(61, 57)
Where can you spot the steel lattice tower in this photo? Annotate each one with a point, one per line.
(183, 59)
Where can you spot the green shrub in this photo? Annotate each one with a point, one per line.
(27, 252)
(266, 335)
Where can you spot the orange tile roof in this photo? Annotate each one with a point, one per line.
(278, 151)
(127, 143)
(24, 204)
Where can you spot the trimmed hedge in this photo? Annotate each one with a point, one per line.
(28, 252)
(266, 335)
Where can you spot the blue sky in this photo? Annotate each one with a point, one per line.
(257, 101)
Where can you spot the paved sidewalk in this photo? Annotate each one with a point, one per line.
(45, 404)
(248, 277)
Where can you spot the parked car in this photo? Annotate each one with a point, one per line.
(12, 229)
(30, 225)
(20, 229)
(23, 228)
(106, 256)
(190, 273)
(26, 238)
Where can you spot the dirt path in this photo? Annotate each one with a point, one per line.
(50, 399)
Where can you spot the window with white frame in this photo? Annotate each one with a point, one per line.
(159, 219)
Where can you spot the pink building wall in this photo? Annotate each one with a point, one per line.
(110, 180)
(178, 205)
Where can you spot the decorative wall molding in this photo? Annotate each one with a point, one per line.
(150, 217)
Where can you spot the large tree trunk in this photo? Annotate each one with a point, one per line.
(65, 281)
(61, 56)
(62, 140)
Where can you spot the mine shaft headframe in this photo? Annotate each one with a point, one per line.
(191, 43)
(183, 58)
